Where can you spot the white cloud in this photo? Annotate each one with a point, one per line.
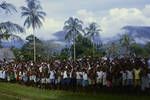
(110, 23)
(117, 18)
(146, 10)
(50, 26)
(86, 16)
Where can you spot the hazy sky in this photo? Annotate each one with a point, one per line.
(111, 15)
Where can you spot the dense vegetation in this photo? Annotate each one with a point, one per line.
(83, 48)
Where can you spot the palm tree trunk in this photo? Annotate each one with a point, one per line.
(74, 48)
(93, 49)
(127, 52)
(69, 49)
(34, 45)
(93, 46)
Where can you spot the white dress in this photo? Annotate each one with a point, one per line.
(104, 79)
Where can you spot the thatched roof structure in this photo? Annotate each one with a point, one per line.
(7, 54)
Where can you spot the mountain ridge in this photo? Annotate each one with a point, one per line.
(141, 34)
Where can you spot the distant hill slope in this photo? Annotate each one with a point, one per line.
(60, 36)
(14, 43)
(140, 33)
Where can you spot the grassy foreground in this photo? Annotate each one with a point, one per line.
(18, 92)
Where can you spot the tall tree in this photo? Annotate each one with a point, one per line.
(112, 50)
(126, 42)
(73, 27)
(83, 46)
(91, 31)
(27, 49)
(34, 17)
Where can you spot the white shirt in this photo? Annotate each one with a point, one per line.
(99, 74)
(24, 74)
(148, 76)
(20, 73)
(85, 76)
(129, 74)
(70, 74)
(124, 75)
(104, 75)
(40, 69)
(65, 75)
(1, 74)
(4, 74)
(52, 75)
(78, 75)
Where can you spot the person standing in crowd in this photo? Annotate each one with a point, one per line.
(73, 81)
(99, 78)
(85, 78)
(129, 77)
(104, 78)
(25, 77)
(137, 76)
(123, 77)
(52, 76)
(148, 77)
(65, 81)
(79, 78)
(144, 80)
(58, 78)
(3, 75)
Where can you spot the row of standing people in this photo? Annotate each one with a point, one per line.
(76, 75)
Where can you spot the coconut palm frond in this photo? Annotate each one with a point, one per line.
(92, 30)
(11, 27)
(72, 27)
(34, 15)
(33, 4)
(7, 7)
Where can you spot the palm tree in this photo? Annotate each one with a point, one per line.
(126, 42)
(91, 31)
(8, 28)
(34, 17)
(73, 27)
(7, 7)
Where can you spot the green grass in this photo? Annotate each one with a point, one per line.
(18, 92)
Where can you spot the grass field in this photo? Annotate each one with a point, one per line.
(18, 92)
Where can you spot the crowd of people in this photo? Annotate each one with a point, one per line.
(84, 73)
